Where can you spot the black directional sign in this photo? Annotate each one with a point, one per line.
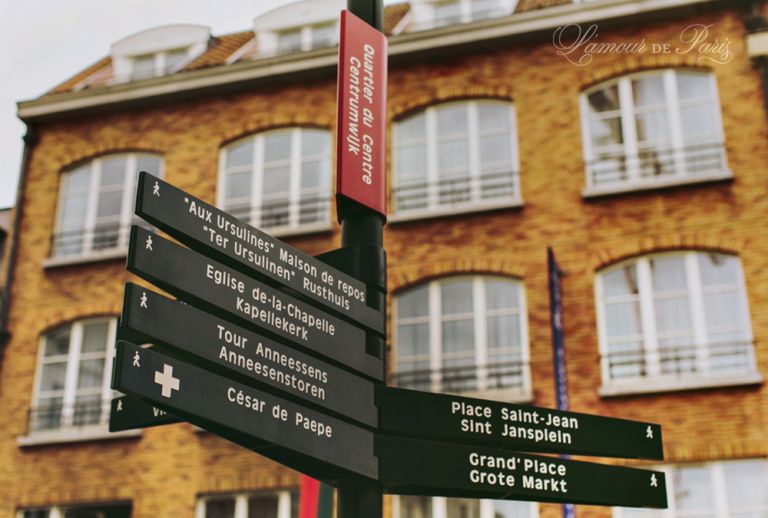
(233, 242)
(411, 466)
(205, 399)
(127, 413)
(518, 427)
(220, 289)
(150, 317)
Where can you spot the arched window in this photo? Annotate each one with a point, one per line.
(463, 334)
(279, 180)
(455, 156)
(676, 318)
(72, 388)
(653, 128)
(96, 202)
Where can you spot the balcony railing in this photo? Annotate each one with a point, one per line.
(467, 378)
(658, 164)
(449, 192)
(309, 211)
(106, 237)
(49, 417)
(720, 358)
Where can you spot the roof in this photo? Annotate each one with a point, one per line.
(219, 51)
(532, 5)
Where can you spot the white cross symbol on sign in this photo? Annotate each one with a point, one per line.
(649, 432)
(654, 482)
(166, 380)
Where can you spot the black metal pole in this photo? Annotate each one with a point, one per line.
(363, 230)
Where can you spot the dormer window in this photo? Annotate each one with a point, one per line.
(277, 33)
(158, 51)
(451, 12)
(306, 38)
(158, 63)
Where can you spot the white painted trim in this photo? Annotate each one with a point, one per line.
(71, 435)
(597, 192)
(520, 23)
(658, 385)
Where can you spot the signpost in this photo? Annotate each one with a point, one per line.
(284, 353)
(225, 291)
(208, 399)
(239, 352)
(513, 427)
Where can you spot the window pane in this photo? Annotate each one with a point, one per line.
(668, 273)
(412, 340)
(653, 126)
(493, 116)
(276, 180)
(315, 142)
(458, 336)
(621, 281)
(606, 131)
(503, 331)
(411, 163)
(448, 12)
(57, 342)
(623, 319)
(718, 269)
(511, 509)
(238, 185)
(289, 41)
(746, 485)
(240, 154)
(277, 146)
(412, 128)
(91, 373)
(463, 508)
(143, 66)
(500, 294)
(323, 35)
(111, 511)
(174, 59)
(699, 120)
(604, 100)
(148, 164)
(315, 174)
(415, 507)
(453, 157)
(495, 149)
(413, 302)
(39, 513)
(88, 410)
(113, 172)
(220, 508)
(648, 90)
(452, 120)
(693, 489)
(456, 296)
(53, 376)
(691, 85)
(110, 204)
(264, 506)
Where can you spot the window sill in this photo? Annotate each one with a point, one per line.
(622, 188)
(298, 231)
(73, 435)
(655, 386)
(455, 210)
(69, 260)
(510, 395)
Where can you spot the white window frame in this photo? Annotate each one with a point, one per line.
(294, 227)
(717, 472)
(654, 380)
(74, 356)
(630, 142)
(305, 37)
(440, 508)
(434, 208)
(241, 502)
(57, 511)
(504, 7)
(160, 58)
(126, 213)
(523, 393)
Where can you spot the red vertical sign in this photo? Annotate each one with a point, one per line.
(362, 105)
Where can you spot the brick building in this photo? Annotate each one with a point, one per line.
(628, 135)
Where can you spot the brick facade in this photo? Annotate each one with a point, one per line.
(164, 469)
